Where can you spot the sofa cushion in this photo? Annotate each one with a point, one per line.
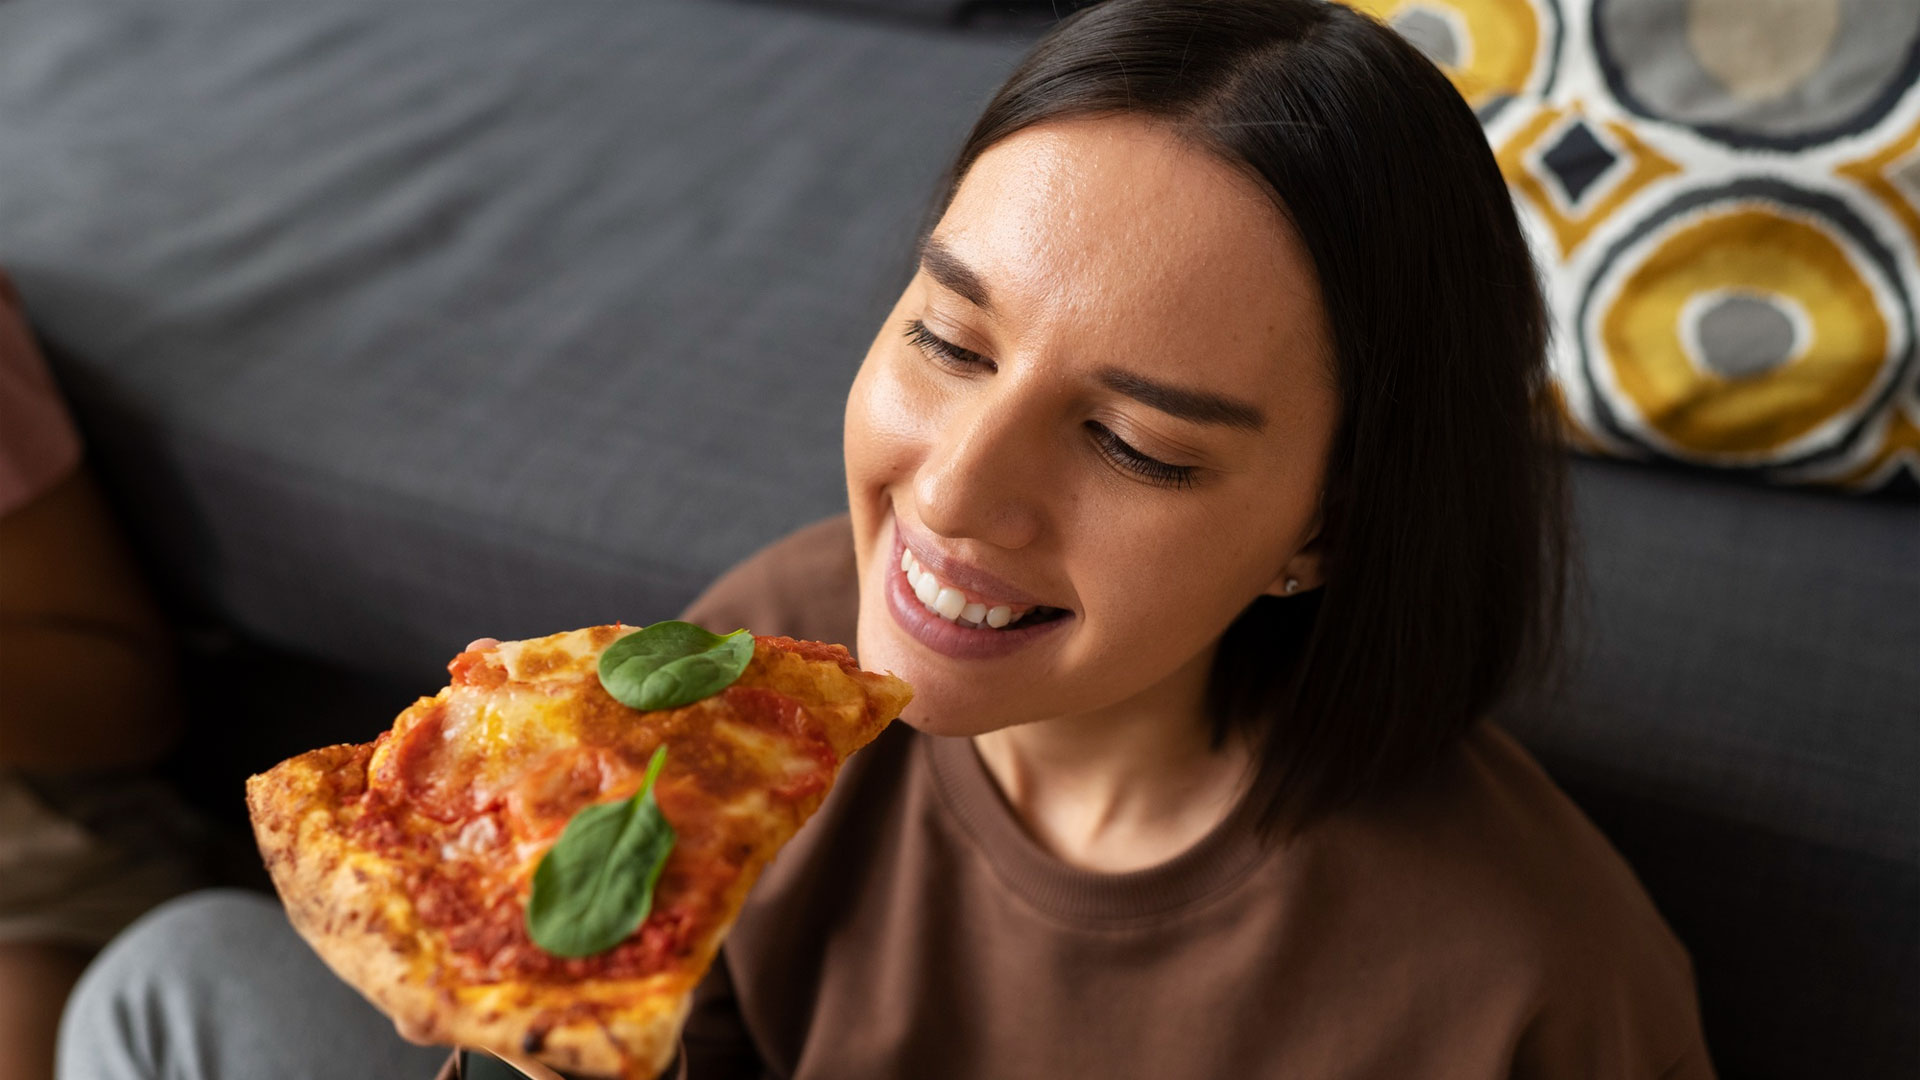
(1738, 716)
(398, 324)
(1725, 199)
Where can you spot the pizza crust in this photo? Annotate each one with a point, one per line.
(349, 906)
(354, 906)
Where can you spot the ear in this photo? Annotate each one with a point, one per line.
(1303, 571)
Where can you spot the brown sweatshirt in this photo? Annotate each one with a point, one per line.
(1477, 927)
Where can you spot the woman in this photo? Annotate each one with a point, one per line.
(1201, 484)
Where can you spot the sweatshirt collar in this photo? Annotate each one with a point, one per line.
(1212, 866)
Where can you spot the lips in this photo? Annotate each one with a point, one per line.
(970, 610)
(968, 591)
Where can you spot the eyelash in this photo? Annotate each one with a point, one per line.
(1112, 447)
(943, 350)
(1152, 469)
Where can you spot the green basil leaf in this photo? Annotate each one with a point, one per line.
(673, 663)
(594, 887)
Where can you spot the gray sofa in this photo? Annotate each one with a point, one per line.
(393, 324)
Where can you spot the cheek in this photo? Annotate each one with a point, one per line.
(886, 429)
(884, 439)
(1166, 579)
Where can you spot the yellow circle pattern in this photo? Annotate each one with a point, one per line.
(1746, 248)
(1503, 47)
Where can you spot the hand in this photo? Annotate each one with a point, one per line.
(479, 643)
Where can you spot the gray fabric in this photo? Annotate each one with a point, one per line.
(1741, 335)
(217, 986)
(977, 13)
(940, 11)
(397, 324)
(1740, 720)
(1695, 63)
(1750, 651)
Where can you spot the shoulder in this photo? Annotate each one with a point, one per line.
(803, 585)
(1524, 840)
(1504, 877)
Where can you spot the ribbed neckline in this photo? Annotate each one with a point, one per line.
(1216, 862)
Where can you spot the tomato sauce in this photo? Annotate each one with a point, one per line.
(420, 806)
(817, 651)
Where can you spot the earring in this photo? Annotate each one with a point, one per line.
(1293, 585)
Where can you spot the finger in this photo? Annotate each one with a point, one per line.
(480, 643)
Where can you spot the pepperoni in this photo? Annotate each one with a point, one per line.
(549, 794)
(818, 651)
(774, 711)
(479, 668)
(424, 770)
(390, 774)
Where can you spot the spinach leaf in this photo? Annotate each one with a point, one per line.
(594, 887)
(673, 663)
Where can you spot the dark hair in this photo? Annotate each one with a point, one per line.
(1443, 518)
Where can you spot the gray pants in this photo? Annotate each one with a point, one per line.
(217, 986)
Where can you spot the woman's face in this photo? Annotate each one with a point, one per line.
(1099, 415)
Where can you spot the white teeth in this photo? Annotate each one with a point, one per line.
(948, 602)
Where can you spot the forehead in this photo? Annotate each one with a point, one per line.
(1120, 238)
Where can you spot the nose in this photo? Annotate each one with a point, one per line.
(985, 476)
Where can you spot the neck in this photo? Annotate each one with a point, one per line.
(1126, 787)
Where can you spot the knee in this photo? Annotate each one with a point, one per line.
(196, 936)
(145, 993)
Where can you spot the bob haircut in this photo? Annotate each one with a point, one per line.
(1443, 514)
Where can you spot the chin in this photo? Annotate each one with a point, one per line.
(952, 723)
(936, 708)
(944, 701)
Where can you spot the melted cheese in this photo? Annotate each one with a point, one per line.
(486, 774)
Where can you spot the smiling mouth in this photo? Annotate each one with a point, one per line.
(964, 609)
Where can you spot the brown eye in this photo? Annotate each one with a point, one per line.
(944, 351)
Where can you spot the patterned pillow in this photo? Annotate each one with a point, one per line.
(1724, 196)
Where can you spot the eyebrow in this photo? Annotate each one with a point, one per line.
(943, 266)
(1199, 406)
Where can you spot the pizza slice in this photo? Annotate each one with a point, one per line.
(411, 864)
